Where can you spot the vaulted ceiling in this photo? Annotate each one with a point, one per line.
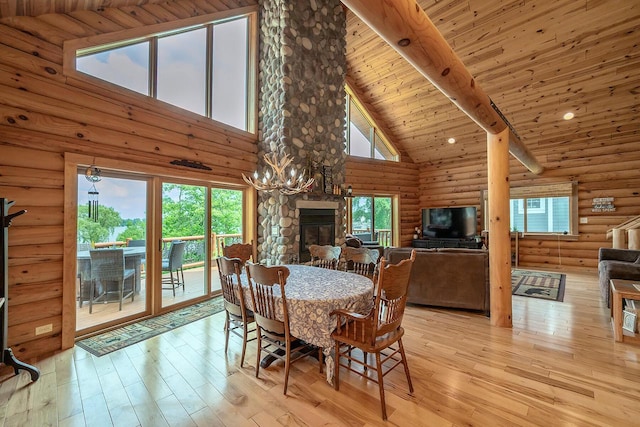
(536, 59)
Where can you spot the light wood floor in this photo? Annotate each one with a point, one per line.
(558, 366)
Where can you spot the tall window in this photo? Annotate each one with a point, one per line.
(364, 139)
(543, 209)
(203, 69)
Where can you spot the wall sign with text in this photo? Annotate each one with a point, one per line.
(602, 204)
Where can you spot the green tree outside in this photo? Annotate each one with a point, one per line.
(382, 216)
(90, 231)
(136, 229)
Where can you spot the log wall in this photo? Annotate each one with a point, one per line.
(46, 114)
(382, 178)
(601, 170)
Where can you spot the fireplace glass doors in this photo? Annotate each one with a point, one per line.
(317, 227)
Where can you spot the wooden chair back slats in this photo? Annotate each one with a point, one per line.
(361, 261)
(262, 281)
(237, 315)
(243, 251)
(391, 297)
(325, 256)
(229, 270)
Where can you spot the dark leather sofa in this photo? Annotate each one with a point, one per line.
(617, 264)
(447, 277)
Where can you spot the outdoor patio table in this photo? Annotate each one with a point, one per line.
(132, 259)
(312, 294)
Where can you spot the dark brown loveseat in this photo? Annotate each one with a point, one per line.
(617, 264)
(447, 277)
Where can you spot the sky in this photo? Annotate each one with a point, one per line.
(126, 196)
(182, 70)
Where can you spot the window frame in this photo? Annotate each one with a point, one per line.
(151, 32)
(375, 133)
(395, 227)
(543, 193)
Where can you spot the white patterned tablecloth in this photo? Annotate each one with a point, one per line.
(312, 294)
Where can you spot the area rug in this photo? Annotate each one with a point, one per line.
(105, 343)
(538, 284)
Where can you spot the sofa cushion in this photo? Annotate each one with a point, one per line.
(458, 250)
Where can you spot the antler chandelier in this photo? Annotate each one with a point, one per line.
(278, 179)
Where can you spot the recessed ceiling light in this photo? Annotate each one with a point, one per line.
(568, 116)
(451, 140)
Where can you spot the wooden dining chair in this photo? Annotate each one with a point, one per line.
(267, 285)
(380, 332)
(108, 268)
(238, 317)
(362, 261)
(243, 251)
(325, 256)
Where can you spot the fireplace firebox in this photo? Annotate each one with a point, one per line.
(317, 227)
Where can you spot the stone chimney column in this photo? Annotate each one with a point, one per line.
(302, 111)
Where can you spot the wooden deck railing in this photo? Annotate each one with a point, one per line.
(384, 236)
(194, 250)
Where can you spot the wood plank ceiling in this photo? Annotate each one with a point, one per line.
(536, 59)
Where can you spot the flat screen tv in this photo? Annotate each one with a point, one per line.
(449, 223)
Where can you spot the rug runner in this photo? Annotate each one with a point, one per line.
(107, 342)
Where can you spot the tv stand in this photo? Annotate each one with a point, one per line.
(446, 243)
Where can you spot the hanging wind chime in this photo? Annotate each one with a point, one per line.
(92, 174)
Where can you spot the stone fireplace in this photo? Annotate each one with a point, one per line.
(317, 226)
(302, 114)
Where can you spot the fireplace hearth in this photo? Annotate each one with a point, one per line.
(317, 227)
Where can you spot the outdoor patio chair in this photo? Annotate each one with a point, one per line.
(237, 316)
(267, 285)
(107, 269)
(380, 332)
(173, 264)
(243, 251)
(138, 244)
(325, 256)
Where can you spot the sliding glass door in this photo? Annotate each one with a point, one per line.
(184, 242)
(111, 247)
(129, 265)
(226, 225)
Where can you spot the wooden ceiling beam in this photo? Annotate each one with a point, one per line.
(407, 28)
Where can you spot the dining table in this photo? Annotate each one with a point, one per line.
(312, 294)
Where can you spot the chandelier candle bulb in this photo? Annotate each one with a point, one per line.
(280, 181)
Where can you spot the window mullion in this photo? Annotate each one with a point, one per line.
(373, 217)
(153, 67)
(372, 138)
(348, 132)
(208, 109)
